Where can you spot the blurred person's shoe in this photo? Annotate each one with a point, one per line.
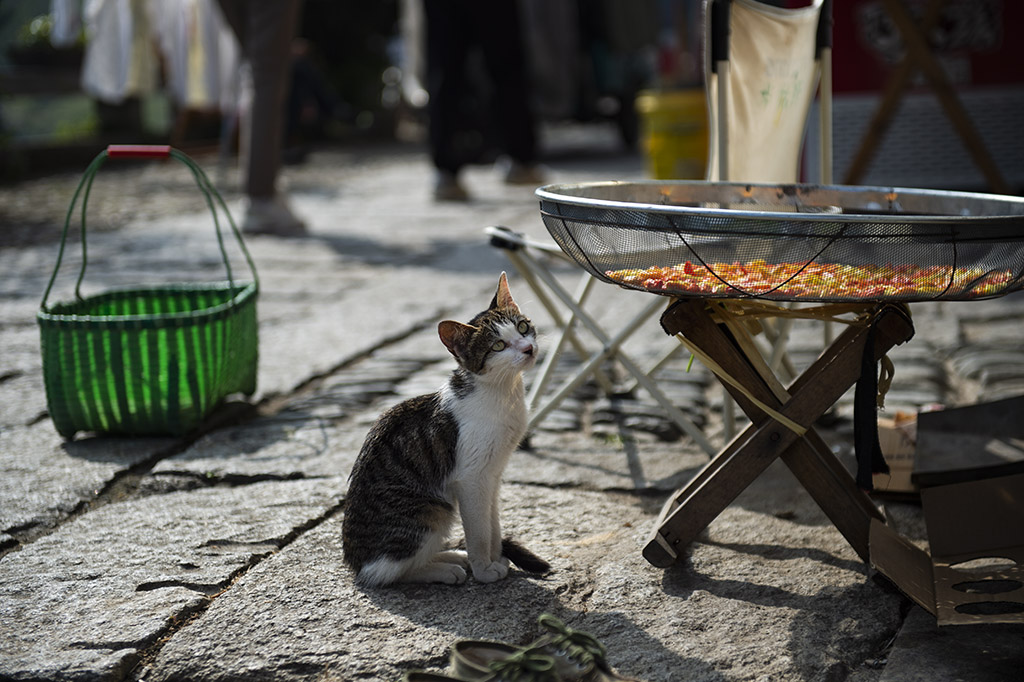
(271, 216)
(517, 173)
(448, 188)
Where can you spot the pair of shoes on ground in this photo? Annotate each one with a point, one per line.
(561, 654)
(448, 188)
(271, 216)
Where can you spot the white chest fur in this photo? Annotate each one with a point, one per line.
(492, 422)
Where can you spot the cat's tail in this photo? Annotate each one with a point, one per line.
(524, 558)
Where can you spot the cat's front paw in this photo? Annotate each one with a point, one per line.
(450, 574)
(453, 556)
(489, 571)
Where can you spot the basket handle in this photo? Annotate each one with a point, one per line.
(138, 151)
(125, 151)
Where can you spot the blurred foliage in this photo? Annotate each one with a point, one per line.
(36, 31)
(51, 118)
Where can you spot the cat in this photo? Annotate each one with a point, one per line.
(432, 458)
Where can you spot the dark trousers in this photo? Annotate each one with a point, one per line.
(454, 27)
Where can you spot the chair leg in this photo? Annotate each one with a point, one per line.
(533, 270)
(612, 347)
(673, 412)
(594, 361)
(552, 355)
(673, 351)
(527, 265)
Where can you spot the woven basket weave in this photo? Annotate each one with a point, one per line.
(150, 360)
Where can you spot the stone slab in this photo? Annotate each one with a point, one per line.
(300, 615)
(613, 461)
(271, 448)
(924, 652)
(43, 478)
(80, 603)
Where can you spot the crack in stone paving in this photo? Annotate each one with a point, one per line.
(209, 589)
(7, 376)
(150, 650)
(128, 483)
(114, 490)
(149, 653)
(168, 481)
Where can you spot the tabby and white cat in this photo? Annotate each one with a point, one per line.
(437, 456)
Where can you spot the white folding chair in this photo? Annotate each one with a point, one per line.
(526, 255)
(794, 48)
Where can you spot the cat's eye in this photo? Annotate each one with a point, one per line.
(523, 326)
(498, 346)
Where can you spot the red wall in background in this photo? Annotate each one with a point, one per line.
(979, 42)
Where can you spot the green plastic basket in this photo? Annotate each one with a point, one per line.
(150, 360)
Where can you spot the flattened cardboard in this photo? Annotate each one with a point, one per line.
(981, 522)
(977, 523)
(968, 443)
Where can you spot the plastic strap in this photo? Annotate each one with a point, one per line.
(729, 379)
(866, 447)
(85, 183)
(824, 37)
(885, 375)
(825, 312)
(214, 200)
(872, 387)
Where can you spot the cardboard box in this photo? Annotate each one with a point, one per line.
(896, 438)
(975, 571)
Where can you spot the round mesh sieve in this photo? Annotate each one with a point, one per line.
(790, 242)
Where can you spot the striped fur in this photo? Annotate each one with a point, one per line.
(433, 460)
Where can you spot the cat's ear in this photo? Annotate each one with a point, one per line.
(455, 337)
(503, 297)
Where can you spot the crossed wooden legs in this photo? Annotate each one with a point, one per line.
(696, 505)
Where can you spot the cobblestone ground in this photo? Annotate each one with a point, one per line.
(215, 557)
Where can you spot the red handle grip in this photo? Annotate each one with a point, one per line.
(138, 151)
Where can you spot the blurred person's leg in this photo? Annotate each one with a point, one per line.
(448, 41)
(499, 29)
(265, 29)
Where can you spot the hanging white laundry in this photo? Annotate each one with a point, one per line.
(119, 60)
(200, 51)
(66, 16)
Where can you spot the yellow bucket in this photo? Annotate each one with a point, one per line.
(675, 133)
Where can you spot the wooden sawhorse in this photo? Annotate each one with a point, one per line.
(722, 341)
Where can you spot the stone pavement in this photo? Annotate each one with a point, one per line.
(217, 557)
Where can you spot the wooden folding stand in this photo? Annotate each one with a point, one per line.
(724, 341)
